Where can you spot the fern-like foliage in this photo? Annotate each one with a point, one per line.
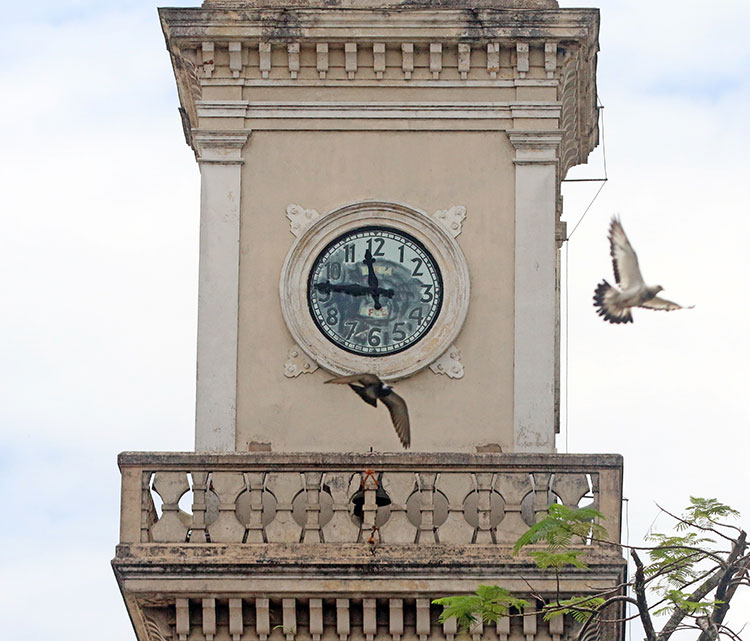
(488, 604)
(561, 526)
(581, 608)
(705, 513)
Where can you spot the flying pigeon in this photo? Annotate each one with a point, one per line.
(613, 304)
(370, 388)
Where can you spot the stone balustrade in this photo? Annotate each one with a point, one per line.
(349, 547)
(392, 499)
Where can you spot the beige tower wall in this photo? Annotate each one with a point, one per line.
(429, 107)
(424, 169)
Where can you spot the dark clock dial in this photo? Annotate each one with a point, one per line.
(375, 291)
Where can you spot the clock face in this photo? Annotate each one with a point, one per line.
(374, 291)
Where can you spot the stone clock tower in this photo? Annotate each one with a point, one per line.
(380, 192)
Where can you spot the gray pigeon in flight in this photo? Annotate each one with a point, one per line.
(371, 389)
(614, 304)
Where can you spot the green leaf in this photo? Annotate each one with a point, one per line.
(490, 603)
(561, 525)
(557, 560)
(581, 608)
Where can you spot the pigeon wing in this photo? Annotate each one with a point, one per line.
(400, 417)
(662, 304)
(624, 259)
(362, 379)
(365, 393)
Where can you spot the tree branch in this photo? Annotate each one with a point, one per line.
(639, 586)
(725, 590)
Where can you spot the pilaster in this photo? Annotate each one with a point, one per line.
(220, 161)
(536, 166)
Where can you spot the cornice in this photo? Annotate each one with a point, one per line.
(568, 39)
(198, 24)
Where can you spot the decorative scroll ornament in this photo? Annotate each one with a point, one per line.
(300, 218)
(451, 219)
(298, 363)
(449, 364)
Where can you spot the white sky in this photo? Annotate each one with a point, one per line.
(98, 256)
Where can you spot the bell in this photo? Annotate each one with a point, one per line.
(381, 498)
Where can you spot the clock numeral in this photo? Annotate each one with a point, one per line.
(380, 242)
(416, 314)
(373, 336)
(323, 295)
(332, 316)
(427, 293)
(401, 254)
(333, 271)
(416, 271)
(398, 333)
(349, 253)
(352, 327)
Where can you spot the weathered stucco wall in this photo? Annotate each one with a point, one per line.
(427, 170)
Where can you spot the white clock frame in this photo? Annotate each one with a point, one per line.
(437, 237)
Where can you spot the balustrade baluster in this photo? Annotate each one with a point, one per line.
(227, 528)
(541, 495)
(198, 530)
(170, 528)
(398, 528)
(426, 483)
(254, 521)
(484, 505)
(312, 533)
(341, 528)
(456, 487)
(284, 486)
(513, 487)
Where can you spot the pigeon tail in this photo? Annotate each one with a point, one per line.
(605, 300)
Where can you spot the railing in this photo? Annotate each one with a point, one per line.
(433, 499)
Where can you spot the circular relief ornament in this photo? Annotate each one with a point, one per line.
(375, 287)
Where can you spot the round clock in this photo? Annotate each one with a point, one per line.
(375, 287)
(375, 291)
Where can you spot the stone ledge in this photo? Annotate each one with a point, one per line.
(382, 4)
(437, 461)
(315, 556)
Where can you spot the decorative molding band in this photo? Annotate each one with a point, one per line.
(381, 110)
(499, 83)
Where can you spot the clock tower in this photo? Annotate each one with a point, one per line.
(380, 193)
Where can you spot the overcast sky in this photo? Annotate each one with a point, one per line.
(98, 257)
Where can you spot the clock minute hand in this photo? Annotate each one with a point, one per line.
(372, 279)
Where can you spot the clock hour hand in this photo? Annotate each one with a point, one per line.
(352, 289)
